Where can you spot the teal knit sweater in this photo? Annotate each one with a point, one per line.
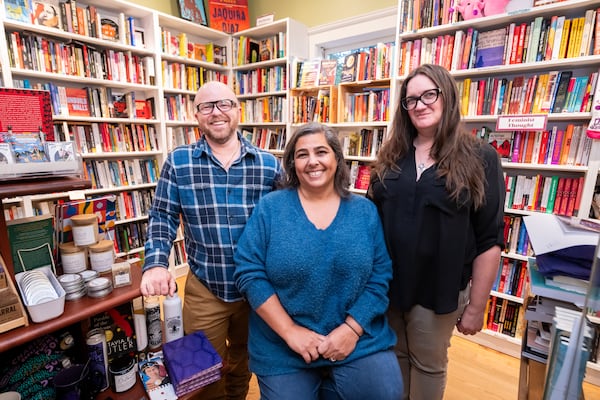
(320, 277)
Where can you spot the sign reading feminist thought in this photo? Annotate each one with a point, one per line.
(228, 16)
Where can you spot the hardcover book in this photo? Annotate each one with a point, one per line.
(327, 73)
(32, 242)
(18, 10)
(77, 102)
(309, 73)
(502, 142)
(192, 362)
(490, 48)
(46, 13)
(104, 207)
(349, 68)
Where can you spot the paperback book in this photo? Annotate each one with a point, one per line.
(155, 377)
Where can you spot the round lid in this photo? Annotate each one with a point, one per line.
(69, 247)
(102, 246)
(98, 283)
(84, 219)
(88, 274)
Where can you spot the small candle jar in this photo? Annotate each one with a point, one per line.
(102, 256)
(121, 273)
(85, 229)
(73, 258)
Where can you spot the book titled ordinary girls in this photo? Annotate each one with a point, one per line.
(155, 377)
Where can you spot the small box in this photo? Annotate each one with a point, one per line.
(50, 309)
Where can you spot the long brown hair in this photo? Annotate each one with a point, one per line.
(455, 150)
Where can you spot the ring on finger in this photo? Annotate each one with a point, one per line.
(332, 359)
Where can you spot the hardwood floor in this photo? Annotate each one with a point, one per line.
(475, 372)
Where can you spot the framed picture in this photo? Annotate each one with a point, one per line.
(193, 10)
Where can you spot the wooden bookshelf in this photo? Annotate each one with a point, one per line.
(22, 187)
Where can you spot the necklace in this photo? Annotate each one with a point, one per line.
(227, 164)
(421, 167)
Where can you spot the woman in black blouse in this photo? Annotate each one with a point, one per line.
(440, 194)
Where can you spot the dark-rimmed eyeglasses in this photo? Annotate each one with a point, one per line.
(428, 97)
(209, 106)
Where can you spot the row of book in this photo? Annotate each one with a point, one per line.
(37, 53)
(511, 278)
(183, 135)
(188, 77)
(360, 175)
(89, 101)
(310, 108)
(181, 45)
(261, 80)
(516, 240)
(552, 92)
(364, 143)
(547, 194)
(431, 13)
(266, 138)
(118, 173)
(179, 107)
(569, 146)
(264, 109)
(96, 138)
(130, 237)
(369, 105)
(179, 253)
(247, 50)
(71, 16)
(371, 63)
(134, 203)
(504, 316)
(543, 39)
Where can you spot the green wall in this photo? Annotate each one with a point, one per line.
(309, 12)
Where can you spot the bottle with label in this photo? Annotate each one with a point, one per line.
(173, 317)
(153, 321)
(139, 323)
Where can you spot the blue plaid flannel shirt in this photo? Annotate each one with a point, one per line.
(214, 206)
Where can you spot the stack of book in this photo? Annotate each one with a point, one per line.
(571, 343)
(192, 362)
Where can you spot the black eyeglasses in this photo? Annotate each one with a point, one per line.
(428, 97)
(209, 106)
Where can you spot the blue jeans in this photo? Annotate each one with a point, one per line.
(373, 377)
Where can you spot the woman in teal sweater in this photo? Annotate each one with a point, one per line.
(313, 264)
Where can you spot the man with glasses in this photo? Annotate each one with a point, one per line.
(211, 188)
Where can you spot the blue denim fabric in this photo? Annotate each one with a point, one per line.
(373, 377)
